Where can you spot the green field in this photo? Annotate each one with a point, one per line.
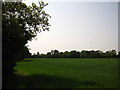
(67, 73)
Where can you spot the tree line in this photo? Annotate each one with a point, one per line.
(77, 54)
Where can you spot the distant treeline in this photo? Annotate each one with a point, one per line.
(77, 54)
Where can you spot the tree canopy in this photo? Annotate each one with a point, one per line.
(78, 54)
(20, 23)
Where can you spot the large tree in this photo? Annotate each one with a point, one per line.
(20, 23)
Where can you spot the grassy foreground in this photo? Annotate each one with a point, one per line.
(67, 73)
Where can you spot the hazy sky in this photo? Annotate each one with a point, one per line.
(79, 26)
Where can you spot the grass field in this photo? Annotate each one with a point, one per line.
(67, 73)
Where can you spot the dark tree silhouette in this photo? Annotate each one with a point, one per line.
(66, 54)
(111, 54)
(49, 55)
(55, 54)
(20, 24)
(77, 54)
(38, 53)
(119, 54)
(24, 53)
(74, 54)
(82, 54)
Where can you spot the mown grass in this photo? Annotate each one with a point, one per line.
(67, 73)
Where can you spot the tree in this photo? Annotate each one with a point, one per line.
(111, 53)
(74, 54)
(114, 53)
(24, 53)
(61, 54)
(38, 53)
(119, 54)
(101, 54)
(55, 53)
(84, 54)
(66, 54)
(49, 55)
(20, 24)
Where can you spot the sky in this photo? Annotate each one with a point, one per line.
(78, 26)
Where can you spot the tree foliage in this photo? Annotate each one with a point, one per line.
(74, 54)
(20, 23)
(77, 54)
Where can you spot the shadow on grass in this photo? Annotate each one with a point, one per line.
(44, 81)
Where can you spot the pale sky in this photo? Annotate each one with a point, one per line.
(79, 26)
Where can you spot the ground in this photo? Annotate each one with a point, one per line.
(67, 73)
